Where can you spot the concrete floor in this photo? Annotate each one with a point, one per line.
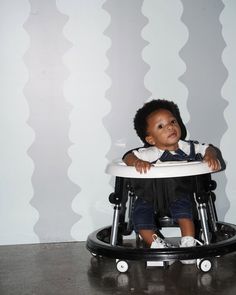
(69, 269)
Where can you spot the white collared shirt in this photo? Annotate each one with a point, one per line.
(151, 154)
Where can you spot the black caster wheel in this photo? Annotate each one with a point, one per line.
(122, 266)
(204, 264)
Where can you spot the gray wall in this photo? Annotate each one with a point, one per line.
(73, 73)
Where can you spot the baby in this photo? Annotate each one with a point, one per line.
(159, 125)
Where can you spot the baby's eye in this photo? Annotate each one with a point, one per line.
(173, 121)
(160, 126)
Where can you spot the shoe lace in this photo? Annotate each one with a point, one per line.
(161, 241)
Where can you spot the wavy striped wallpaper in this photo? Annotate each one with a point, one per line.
(73, 73)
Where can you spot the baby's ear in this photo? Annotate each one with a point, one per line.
(149, 139)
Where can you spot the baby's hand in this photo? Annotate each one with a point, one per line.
(211, 159)
(142, 166)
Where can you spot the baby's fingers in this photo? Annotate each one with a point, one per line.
(214, 164)
(142, 166)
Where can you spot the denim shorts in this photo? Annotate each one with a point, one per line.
(144, 215)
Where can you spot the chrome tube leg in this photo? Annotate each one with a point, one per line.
(115, 224)
(212, 214)
(204, 223)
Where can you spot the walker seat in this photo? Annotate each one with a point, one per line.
(115, 241)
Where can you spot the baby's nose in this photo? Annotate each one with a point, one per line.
(169, 126)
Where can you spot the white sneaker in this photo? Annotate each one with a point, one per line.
(158, 243)
(189, 241)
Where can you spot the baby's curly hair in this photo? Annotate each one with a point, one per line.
(140, 119)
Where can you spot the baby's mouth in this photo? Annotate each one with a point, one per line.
(173, 134)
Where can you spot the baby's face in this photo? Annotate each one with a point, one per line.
(163, 130)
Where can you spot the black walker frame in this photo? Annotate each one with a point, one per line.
(219, 238)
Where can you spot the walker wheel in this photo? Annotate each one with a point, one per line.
(122, 266)
(204, 265)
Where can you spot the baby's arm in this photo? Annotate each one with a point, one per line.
(141, 166)
(211, 158)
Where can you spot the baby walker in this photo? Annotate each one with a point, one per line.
(218, 238)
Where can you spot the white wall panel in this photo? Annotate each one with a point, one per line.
(228, 141)
(17, 216)
(85, 89)
(166, 35)
(72, 75)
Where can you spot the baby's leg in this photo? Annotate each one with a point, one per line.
(181, 211)
(144, 220)
(147, 236)
(187, 227)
